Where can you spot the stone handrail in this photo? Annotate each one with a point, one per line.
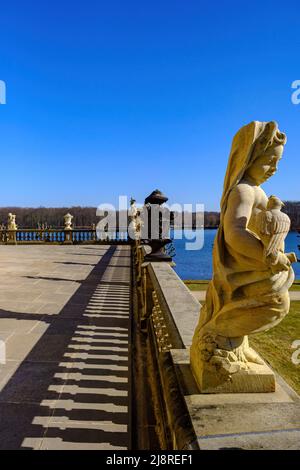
(165, 314)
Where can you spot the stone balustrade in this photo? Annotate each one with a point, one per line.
(57, 236)
(165, 314)
(68, 234)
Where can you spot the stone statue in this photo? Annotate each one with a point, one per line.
(248, 292)
(133, 209)
(134, 215)
(11, 222)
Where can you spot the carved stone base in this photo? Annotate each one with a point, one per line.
(257, 379)
(229, 365)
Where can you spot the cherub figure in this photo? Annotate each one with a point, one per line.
(11, 222)
(248, 292)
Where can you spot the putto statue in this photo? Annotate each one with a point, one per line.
(251, 273)
(11, 222)
(135, 221)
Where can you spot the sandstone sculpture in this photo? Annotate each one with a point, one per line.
(136, 222)
(251, 273)
(11, 222)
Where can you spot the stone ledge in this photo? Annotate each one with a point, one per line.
(240, 420)
(177, 301)
(272, 440)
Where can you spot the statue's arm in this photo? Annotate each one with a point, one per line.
(239, 209)
(238, 213)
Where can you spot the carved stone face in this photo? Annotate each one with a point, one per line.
(265, 165)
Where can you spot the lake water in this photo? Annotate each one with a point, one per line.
(197, 264)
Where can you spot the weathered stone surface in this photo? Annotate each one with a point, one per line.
(251, 273)
(176, 299)
(240, 420)
(259, 378)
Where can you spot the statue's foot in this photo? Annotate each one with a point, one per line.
(252, 356)
(249, 353)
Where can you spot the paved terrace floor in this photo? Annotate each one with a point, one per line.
(64, 317)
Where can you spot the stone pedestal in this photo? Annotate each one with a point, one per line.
(68, 237)
(257, 379)
(12, 237)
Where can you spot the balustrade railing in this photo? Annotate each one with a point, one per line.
(165, 317)
(60, 236)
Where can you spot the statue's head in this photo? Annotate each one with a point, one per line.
(274, 203)
(266, 154)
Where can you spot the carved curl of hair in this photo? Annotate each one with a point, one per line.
(271, 136)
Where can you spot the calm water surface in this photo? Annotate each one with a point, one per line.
(197, 264)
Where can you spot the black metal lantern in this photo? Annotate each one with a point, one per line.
(158, 252)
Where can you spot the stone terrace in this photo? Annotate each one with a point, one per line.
(64, 317)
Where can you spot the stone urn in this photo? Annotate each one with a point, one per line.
(68, 221)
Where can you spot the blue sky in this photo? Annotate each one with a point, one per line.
(122, 97)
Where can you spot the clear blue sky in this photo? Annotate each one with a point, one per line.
(121, 97)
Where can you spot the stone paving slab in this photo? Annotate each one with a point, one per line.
(64, 318)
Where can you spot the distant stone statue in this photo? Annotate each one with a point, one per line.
(11, 222)
(68, 221)
(251, 273)
(133, 216)
(133, 209)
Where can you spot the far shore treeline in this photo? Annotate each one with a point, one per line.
(53, 217)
